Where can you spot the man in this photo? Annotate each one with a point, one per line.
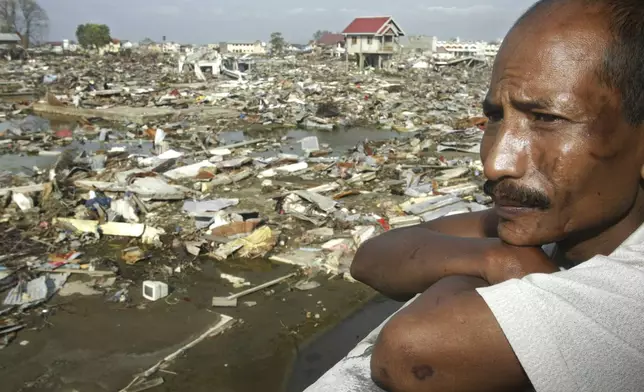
(564, 157)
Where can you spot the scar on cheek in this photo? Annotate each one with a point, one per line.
(422, 372)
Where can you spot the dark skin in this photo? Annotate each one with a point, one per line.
(555, 130)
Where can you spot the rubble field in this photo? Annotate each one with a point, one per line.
(147, 209)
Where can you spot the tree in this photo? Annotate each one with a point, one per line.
(25, 17)
(35, 21)
(278, 43)
(319, 34)
(8, 16)
(146, 41)
(91, 35)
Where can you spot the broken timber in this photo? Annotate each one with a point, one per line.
(139, 115)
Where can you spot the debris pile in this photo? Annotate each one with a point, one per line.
(267, 94)
(175, 193)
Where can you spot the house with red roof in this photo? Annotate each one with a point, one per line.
(373, 39)
(331, 43)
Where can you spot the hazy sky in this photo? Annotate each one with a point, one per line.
(206, 21)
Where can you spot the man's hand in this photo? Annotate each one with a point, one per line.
(504, 262)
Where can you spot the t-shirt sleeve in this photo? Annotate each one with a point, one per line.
(580, 329)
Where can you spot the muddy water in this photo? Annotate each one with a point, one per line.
(278, 345)
(282, 344)
(322, 352)
(289, 142)
(18, 162)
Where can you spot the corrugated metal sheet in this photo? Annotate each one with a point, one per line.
(366, 25)
(8, 37)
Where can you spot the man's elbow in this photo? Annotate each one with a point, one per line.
(362, 268)
(396, 363)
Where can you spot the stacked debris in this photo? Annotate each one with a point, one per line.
(268, 93)
(148, 199)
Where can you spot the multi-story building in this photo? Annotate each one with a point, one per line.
(374, 40)
(257, 47)
(446, 50)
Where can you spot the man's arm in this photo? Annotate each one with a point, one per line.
(404, 262)
(447, 340)
(481, 224)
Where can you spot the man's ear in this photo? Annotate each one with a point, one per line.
(642, 171)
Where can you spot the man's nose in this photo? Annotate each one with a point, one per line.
(508, 156)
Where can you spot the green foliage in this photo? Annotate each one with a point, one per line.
(278, 43)
(319, 34)
(91, 35)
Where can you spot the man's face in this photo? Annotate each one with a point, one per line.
(560, 158)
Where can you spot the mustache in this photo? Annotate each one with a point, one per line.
(524, 196)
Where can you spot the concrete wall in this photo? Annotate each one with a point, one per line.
(466, 49)
(244, 48)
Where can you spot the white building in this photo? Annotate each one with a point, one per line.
(170, 47)
(257, 47)
(447, 50)
(69, 46)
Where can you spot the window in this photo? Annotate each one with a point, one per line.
(369, 40)
(389, 38)
(354, 40)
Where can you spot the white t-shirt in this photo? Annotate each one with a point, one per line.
(579, 330)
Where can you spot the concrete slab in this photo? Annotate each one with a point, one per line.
(193, 86)
(138, 115)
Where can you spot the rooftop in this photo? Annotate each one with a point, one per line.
(330, 39)
(370, 25)
(9, 37)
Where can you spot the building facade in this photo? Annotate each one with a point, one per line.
(257, 47)
(374, 40)
(9, 40)
(331, 44)
(456, 49)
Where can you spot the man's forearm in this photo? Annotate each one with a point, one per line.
(405, 262)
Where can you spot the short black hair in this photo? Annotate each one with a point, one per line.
(623, 64)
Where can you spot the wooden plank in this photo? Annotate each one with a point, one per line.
(23, 189)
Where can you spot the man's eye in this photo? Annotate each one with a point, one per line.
(544, 117)
(494, 116)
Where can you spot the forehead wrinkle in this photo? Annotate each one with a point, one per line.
(558, 72)
(544, 99)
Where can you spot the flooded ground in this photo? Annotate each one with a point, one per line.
(324, 351)
(283, 343)
(339, 141)
(42, 159)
